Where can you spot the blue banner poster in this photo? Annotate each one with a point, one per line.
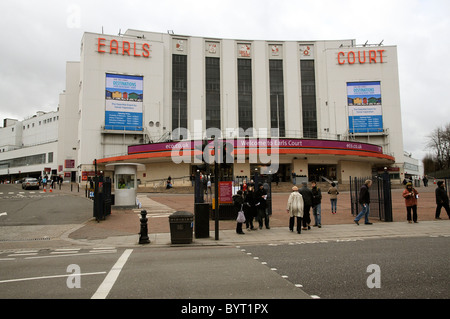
(364, 107)
(124, 96)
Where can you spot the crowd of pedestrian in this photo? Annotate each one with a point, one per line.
(253, 204)
(304, 200)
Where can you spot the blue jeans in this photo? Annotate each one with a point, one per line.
(317, 214)
(333, 204)
(364, 212)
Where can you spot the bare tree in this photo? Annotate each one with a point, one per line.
(439, 145)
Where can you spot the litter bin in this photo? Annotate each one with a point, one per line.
(181, 224)
(201, 227)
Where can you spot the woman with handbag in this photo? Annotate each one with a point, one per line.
(238, 203)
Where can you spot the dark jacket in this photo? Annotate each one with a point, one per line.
(238, 200)
(307, 195)
(317, 196)
(364, 195)
(441, 196)
(260, 202)
(249, 203)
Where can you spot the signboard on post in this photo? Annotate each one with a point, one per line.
(225, 192)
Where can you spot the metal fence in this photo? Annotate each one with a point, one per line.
(380, 196)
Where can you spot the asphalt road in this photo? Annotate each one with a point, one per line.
(408, 268)
(164, 273)
(20, 207)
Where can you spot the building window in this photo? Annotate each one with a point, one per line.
(179, 92)
(245, 92)
(50, 157)
(277, 120)
(309, 112)
(125, 181)
(212, 92)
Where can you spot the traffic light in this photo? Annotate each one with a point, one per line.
(203, 157)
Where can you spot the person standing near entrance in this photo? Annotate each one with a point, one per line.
(295, 209)
(333, 197)
(307, 201)
(364, 201)
(238, 203)
(316, 204)
(261, 206)
(441, 200)
(294, 178)
(410, 195)
(249, 207)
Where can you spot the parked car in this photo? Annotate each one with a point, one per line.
(30, 183)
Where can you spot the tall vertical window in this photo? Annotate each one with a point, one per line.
(212, 92)
(179, 92)
(309, 111)
(245, 93)
(277, 97)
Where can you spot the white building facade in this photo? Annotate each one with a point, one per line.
(335, 103)
(29, 147)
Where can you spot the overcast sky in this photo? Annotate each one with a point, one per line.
(38, 37)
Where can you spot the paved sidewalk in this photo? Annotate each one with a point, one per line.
(282, 235)
(121, 228)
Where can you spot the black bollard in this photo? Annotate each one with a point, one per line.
(143, 238)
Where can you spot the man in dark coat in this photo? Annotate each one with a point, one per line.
(364, 201)
(261, 206)
(307, 203)
(441, 200)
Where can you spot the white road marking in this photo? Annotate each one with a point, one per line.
(64, 252)
(106, 286)
(23, 254)
(50, 277)
(4, 214)
(68, 255)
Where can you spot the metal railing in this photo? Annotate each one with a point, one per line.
(380, 196)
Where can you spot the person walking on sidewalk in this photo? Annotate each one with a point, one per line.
(441, 200)
(364, 201)
(410, 195)
(295, 209)
(333, 197)
(307, 201)
(316, 204)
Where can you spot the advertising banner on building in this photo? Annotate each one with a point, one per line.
(124, 96)
(364, 107)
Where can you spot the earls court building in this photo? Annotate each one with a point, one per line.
(334, 106)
